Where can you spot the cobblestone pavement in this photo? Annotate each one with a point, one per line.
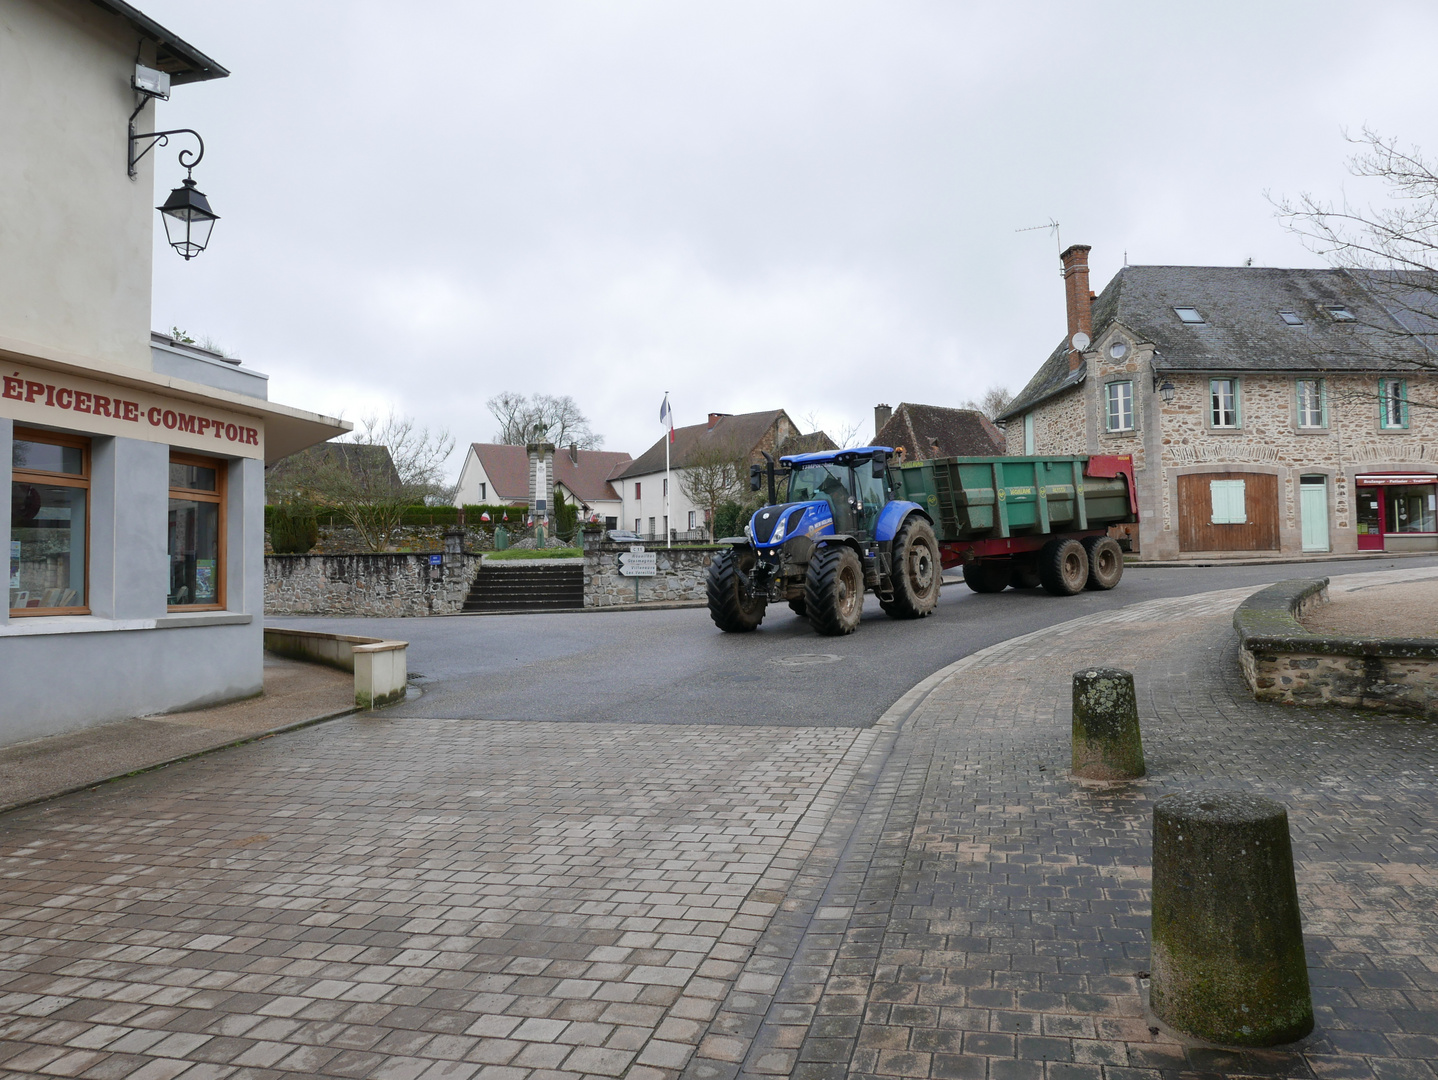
(931, 896)
(987, 916)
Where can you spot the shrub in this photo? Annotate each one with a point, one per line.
(293, 529)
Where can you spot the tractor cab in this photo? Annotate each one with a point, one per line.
(831, 492)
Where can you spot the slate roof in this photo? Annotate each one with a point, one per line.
(1242, 328)
(742, 432)
(813, 443)
(507, 467)
(960, 432)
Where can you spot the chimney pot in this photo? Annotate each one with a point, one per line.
(882, 415)
(1078, 297)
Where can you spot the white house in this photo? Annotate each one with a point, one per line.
(499, 474)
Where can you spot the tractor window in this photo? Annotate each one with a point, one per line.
(819, 482)
(870, 490)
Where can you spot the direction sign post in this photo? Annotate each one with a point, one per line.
(638, 563)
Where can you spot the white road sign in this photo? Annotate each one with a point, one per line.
(638, 563)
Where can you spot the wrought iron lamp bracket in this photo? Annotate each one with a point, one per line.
(161, 138)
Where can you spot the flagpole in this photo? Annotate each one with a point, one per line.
(668, 438)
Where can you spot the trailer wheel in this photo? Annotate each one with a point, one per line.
(834, 590)
(1105, 562)
(731, 610)
(986, 577)
(1024, 574)
(916, 571)
(1063, 567)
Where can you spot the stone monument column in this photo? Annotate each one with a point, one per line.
(541, 480)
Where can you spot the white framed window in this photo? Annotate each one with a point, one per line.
(483, 491)
(1392, 404)
(1118, 406)
(1029, 441)
(651, 526)
(1223, 407)
(636, 526)
(693, 520)
(1228, 499)
(1312, 404)
(1292, 318)
(1189, 315)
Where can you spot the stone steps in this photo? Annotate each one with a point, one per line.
(522, 588)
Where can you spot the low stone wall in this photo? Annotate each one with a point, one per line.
(379, 585)
(1284, 662)
(682, 574)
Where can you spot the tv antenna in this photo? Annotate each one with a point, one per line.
(1052, 226)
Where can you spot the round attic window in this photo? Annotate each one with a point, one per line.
(1118, 350)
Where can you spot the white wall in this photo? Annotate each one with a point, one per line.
(76, 231)
(651, 503)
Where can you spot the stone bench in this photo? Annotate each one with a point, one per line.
(1284, 662)
(380, 667)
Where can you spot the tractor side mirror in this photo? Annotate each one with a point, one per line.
(881, 466)
(756, 477)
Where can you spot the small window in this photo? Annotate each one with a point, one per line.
(636, 493)
(651, 527)
(1392, 403)
(1312, 404)
(49, 534)
(1223, 396)
(1228, 498)
(1118, 406)
(483, 492)
(1292, 318)
(1340, 313)
(693, 520)
(1188, 315)
(196, 532)
(666, 486)
(636, 526)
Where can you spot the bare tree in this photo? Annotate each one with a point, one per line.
(713, 475)
(369, 477)
(558, 419)
(845, 436)
(1391, 251)
(992, 402)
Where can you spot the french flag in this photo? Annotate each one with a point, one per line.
(666, 417)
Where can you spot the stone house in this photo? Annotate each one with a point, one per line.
(1267, 410)
(654, 506)
(934, 431)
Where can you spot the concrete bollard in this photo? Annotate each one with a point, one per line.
(1107, 742)
(1228, 961)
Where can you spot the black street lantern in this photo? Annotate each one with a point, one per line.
(188, 219)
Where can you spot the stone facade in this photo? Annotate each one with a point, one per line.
(384, 585)
(1282, 661)
(682, 574)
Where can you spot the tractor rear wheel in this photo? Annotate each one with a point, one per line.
(1063, 566)
(916, 572)
(986, 577)
(1105, 562)
(732, 610)
(834, 591)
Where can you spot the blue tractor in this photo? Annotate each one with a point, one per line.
(840, 530)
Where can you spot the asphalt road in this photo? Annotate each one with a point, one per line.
(675, 667)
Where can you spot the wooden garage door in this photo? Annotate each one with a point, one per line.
(1200, 501)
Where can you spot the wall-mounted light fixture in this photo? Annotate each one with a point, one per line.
(186, 213)
(1166, 391)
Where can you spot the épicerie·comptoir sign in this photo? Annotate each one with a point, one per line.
(34, 396)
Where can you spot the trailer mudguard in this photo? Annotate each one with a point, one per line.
(892, 517)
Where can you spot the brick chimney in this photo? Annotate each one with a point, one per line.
(574, 452)
(882, 415)
(715, 417)
(1078, 298)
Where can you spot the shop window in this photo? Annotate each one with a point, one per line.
(196, 532)
(1118, 406)
(1312, 404)
(1411, 509)
(1223, 398)
(1228, 499)
(49, 524)
(1392, 403)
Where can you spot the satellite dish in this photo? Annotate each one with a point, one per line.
(1080, 341)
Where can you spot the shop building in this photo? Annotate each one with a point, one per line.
(135, 463)
(1269, 412)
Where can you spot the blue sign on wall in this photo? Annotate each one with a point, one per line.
(435, 560)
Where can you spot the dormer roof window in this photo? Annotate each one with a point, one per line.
(1189, 315)
(1292, 318)
(1340, 313)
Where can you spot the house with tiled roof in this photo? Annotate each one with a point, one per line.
(1267, 410)
(934, 431)
(643, 486)
(502, 474)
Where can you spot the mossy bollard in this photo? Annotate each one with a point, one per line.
(1107, 743)
(1228, 961)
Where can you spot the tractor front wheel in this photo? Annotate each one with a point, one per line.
(834, 591)
(730, 606)
(916, 571)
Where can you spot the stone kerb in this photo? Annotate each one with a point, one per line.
(1228, 959)
(384, 585)
(682, 574)
(380, 667)
(1284, 662)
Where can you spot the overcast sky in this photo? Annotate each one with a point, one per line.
(810, 206)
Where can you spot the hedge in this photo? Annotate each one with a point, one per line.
(417, 517)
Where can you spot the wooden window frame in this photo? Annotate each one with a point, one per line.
(219, 497)
(39, 476)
